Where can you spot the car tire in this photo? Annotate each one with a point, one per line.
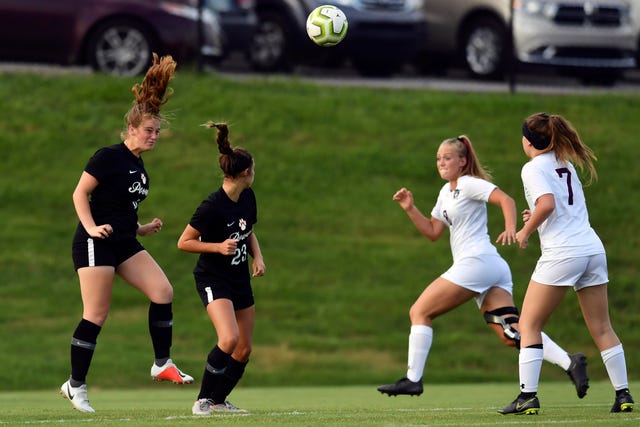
(484, 47)
(270, 48)
(121, 47)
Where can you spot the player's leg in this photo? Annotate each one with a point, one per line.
(237, 362)
(595, 310)
(502, 316)
(539, 303)
(222, 315)
(143, 273)
(96, 284)
(438, 298)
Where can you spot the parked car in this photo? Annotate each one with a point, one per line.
(383, 35)
(238, 20)
(596, 36)
(585, 34)
(471, 33)
(113, 36)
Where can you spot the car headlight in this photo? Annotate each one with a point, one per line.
(181, 10)
(539, 8)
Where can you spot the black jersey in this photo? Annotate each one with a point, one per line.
(122, 184)
(219, 218)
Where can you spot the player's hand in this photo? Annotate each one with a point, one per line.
(100, 231)
(228, 247)
(526, 215)
(150, 228)
(258, 267)
(522, 238)
(507, 237)
(404, 198)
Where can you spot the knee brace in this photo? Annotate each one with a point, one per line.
(495, 316)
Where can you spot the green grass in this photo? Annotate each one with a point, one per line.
(344, 263)
(443, 405)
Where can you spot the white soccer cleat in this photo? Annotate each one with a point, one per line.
(170, 372)
(227, 407)
(77, 396)
(202, 407)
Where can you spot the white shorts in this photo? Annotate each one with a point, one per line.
(580, 272)
(479, 274)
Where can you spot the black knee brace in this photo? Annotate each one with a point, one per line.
(495, 316)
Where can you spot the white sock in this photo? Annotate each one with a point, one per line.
(530, 363)
(616, 365)
(419, 344)
(553, 353)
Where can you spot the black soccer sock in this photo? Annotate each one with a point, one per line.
(229, 379)
(83, 344)
(217, 361)
(161, 330)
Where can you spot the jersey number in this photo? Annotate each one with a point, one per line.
(561, 172)
(240, 256)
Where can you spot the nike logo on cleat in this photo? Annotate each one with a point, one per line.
(71, 396)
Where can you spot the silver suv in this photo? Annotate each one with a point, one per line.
(593, 34)
(588, 34)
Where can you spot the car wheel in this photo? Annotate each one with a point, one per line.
(121, 47)
(484, 46)
(270, 49)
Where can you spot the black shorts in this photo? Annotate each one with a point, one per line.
(210, 288)
(90, 252)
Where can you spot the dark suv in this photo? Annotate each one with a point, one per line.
(113, 36)
(383, 35)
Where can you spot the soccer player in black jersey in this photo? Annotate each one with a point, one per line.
(221, 231)
(106, 199)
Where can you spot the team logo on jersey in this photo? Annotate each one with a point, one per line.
(444, 214)
(243, 224)
(456, 193)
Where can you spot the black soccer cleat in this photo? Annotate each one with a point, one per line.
(624, 401)
(578, 373)
(402, 386)
(522, 406)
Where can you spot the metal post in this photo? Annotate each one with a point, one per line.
(511, 57)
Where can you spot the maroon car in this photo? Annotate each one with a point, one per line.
(113, 36)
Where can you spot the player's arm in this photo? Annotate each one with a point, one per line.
(545, 205)
(86, 184)
(430, 227)
(190, 241)
(258, 267)
(508, 206)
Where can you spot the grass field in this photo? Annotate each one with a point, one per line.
(344, 263)
(440, 405)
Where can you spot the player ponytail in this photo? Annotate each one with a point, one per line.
(152, 94)
(563, 139)
(233, 161)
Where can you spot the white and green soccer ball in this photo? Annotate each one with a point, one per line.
(327, 25)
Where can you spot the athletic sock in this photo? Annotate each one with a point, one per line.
(555, 354)
(161, 330)
(217, 362)
(420, 340)
(228, 381)
(616, 365)
(530, 363)
(83, 345)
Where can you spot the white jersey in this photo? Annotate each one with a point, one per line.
(464, 211)
(567, 232)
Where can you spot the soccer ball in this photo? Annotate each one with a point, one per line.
(327, 25)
